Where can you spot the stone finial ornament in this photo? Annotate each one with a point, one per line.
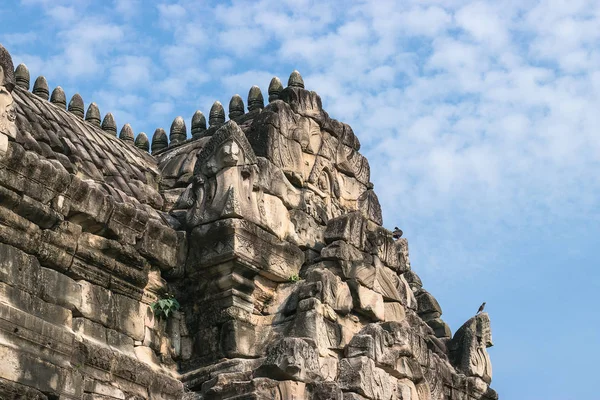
(216, 116)
(22, 76)
(126, 134)
(236, 107)
(255, 99)
(178, 132)
(109, 125)
(198, 124)
(296, 80)
(93, 115)
(76, 105)
(141, 142)
(40, 88)
(275, 88)
(59, 98)
(468, 347)
(159, 140)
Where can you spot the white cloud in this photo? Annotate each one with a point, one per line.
(171, 12)
(471, 105)
(161, 109)
(127, 7)
(131, 72)
(62, 14)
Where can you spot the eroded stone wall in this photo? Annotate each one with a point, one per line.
(267, 230)
(78, 265)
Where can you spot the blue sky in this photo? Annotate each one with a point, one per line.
(480, 121)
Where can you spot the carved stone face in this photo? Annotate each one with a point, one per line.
(291, 364)
(229, 154)
(484, 333)
(8, 113)
(324, 182)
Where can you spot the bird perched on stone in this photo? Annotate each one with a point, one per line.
(481, 307)
(397, 234)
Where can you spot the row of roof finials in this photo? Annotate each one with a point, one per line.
(178, 132)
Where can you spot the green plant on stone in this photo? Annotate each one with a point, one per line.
(294, 278)
(165, 306)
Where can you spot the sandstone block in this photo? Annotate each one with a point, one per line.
(360, 375)
(440, 328)
(335, 292)
(394, 312)
(33, 305)
(292, 359)
(60, 289)
(428, 305)
(367, 301)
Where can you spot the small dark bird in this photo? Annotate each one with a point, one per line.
(397, 234)
(481, 307)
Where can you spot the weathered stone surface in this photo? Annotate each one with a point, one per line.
(22, 76)
(198, 124)
(236, 107)
(267, 232)
(292, 359)
(427, 306)
(360, 375)
(141, 142)
(93, 114)
(109, 125)
(113, 310)
(334, 292)
(232, 239)
(255, 99)
(59, 98)
(275, 88)
(440, 328)
(216, 117)
(127, 134)
(178, 131)
(468, 347)
(159, 140)
(367, 302)
(368, 204)
(76, 105)
(40, 88)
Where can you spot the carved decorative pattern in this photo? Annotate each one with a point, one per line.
(229, 131)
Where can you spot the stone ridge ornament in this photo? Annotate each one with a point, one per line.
(22, 76)
(58, 97)
(76, 105)
(126, 134)
(236, 107)
(109, 125)
(141, 142)
(178, 131)
(296, 80)
(93, 115)
(255, 99)
(275, 88)
(159, 140)
(216, 117)
(40, 88)
(198, 124)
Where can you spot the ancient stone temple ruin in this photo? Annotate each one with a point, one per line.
(244, 260)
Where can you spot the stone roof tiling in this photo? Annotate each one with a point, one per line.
(118, 168)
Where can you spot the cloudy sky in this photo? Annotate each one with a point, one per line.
(480, 121)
